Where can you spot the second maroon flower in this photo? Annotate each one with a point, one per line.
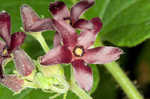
(76, 50)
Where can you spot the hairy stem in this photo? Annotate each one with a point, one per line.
(123, 80)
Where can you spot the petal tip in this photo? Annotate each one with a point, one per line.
(24, 6)
(17, 39)
(97, 24)
(117, 51)
(41, 60)
(56, 6)
(4, 16)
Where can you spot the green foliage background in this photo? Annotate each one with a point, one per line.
(126, 23)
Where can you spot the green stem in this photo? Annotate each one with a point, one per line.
(123, 80)
(55, 96)
(125, 83)
(65, 96)
(79, 92)
(38, 36)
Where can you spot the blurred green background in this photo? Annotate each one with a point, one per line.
(126, 24)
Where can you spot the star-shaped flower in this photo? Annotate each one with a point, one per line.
(60, 12)
(76, 50)
(11, 46)
(12, 42)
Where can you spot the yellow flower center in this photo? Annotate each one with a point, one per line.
(78, 51)
(4, 52)
(67, 21)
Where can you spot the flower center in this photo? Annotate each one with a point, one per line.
(4, 52)
(67, 20)
(78, 51)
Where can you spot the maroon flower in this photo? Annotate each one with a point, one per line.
(12, 42)
(60, 11)
(76, 49)
(11, 45)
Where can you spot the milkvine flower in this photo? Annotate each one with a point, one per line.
(60, 12)
(11, 46)
(76, 50)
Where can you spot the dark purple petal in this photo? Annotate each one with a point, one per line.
(94, 24)
(12, 82)
(5, 27)
(83, 24)
(17, 39)
(58, 55)
(23, 63)
(87, 37)
(32, 22)
(29, 17)
(83, 74)
(102, 55)
(66, 31)
(59, 10)
(79, 8)
(1, 68)
(97, 24)
(57, 40)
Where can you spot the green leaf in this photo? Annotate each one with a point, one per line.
(98, 9)
(120, 19)
(129, 35)
(129, 25)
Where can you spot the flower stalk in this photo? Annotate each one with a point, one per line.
(38, 36)
(123, 80)
(79, 92)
